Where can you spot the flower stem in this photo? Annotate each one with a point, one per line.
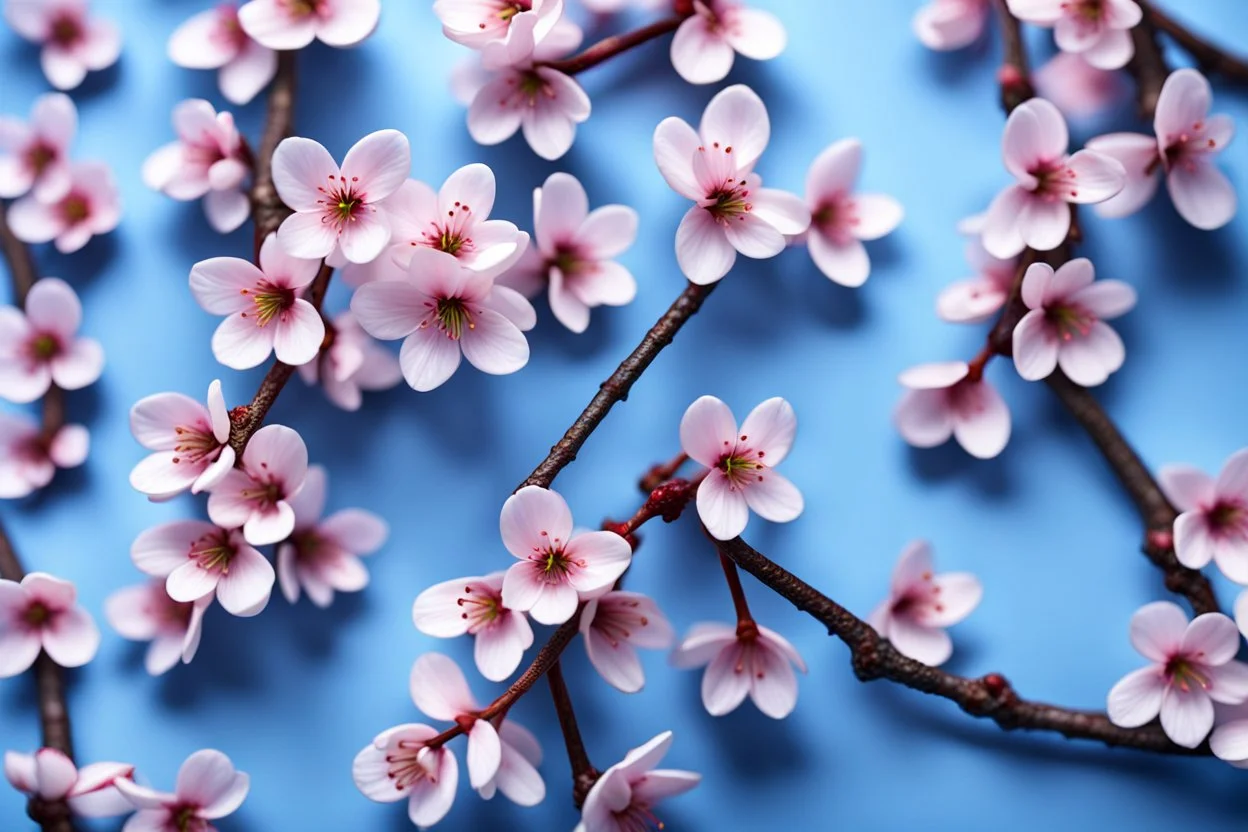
(1210, 57)
(744, 618)
(616, 44)
(584, 775)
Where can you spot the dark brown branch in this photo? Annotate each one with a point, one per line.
(1148, 67)
(1015, 73)
(1209, 57)
(267, 208)
(584, 775)
(610, 47)
(17, 255)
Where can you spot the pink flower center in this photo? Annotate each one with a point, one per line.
(741, 464)
(39, 155)
(1055, 181)
(66, 30)
(271, 301)
(1227, 518)
(480, 606)
(451, 315)
(297, 9)
(75, 208)
(1090, 10)
(552, 562)
(451, 235)
(343, 202)
(186, 818)
(37, 615)
(1185, 674)
(1186, 147)
(570, 260)
(44, 347)
(408, 764)
(835, 217)
(195, 443)
(526, 88)
(229, 31)
(508, 9)
(637, 817)
(617, 619)
(919, 599)
(213, 552)
(1069, 320)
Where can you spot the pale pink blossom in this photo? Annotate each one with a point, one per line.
(741, 476)
(145, 612)
(206, 161)
(1035, 211)
(190, 440)
(35, 155)
(557, 567)
(256, 495)
(706, 43)
(265, 313)
(951, 24)
(399, 764)
(942, 401)
(1187, 141)
(42, 346)
(337, 210)
(91, 206)
(742, 660)
(575, 251)
(920, 605)
(474, 606)
(197, 559)
(1192, 667)
(73, 41)
(1229, 740)
(351, 364)
(1077, 88)
(1213, 525)
(543, 103)
(443, 311)
(293, 24)
(1066, 327)
(613, 626)
(29, 459)
(214, 39)
(50, 775)
(978, 298)
(505, 31)
(624, 797)
(42, 614)
(208, 788)
(1098, 30)
(714, 166)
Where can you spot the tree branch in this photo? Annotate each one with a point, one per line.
(614, 45)
(267, 208)
(1210, 57)
(1015, 74)
(584, 775)
(1148, 66)
(22, 271)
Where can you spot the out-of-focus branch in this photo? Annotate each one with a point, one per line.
(1015, 73)
(1148, 67)
(17, 255)
(1210, 57)
(616, 44)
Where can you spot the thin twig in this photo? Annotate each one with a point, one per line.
(1148, 66)
(1210, 57)
(614, 45)
(21, 264)
(583, 772)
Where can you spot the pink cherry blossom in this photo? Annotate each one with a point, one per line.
(543, 103)
(1214, 520)
(191, 442)
(1229, 740)
(29, 459)
(506, 31)
(741, 475)
(715, 168)
(214, 39)
(36, 155)
(1187, 141)
(574, 252)
(256, 495)
(399, 764)
(197, 559)
(624, 797)
(50, 775)
(707, 41)
(474, 606)
(91, 206)
(840, 219)
(920, 605)
(1034, 211)
(145, 612)
(206, 161)
(1098, 30)
(265, 313)
(73, 42)
(352, 363)
(293, 24)
(977, 299)
(444, 310)
(1192, 667)
(42, 346)
(613, 626)
(557, 567)
(208, 788)
(951, 24)
(1066, 325)
(41, 614)
(941, 401)
(517, 776)
(742, 660)
(337, 210)
(1079, 89)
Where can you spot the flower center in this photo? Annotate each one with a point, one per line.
(302, 8)
(1089, 10)
(229, 31)
(65, 31)
(195, 442)
(343, 201)
(480, 607)
(1070, 320)
(454, 317)
(75, 208)
(511, 9)
(187, 819)
(637, 817)
(271, 301)
(835, 217)
(568, 259)
(741, 464)
(1185, 675)
(39, 155)
(452, 234)
(529, 85)
(1182, 147)
(409, 763)
(1055, 180)
(1227, 517)
(44, 347)
(617, 622)
(37, 615)
(729, 201)
(213, 552)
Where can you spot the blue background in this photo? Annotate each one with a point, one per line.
(293, 694)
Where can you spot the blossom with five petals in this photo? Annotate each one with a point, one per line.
(1213, 525)
(256, 495)
(208, 788)
(475, 606)
(35, 155)
(942, 401)
(293, 24)
(706, 42)
(951, 24)
(214, 39)
(624, 797)
(42, 614)
(73, 41)
(742, 660)
(91, 206)
(42, 347)
(613, 626)
(504, 31)
(50, 775)
(198, 559)
(1097, 30)
(145, 612)
(352, 363)
(28, 459)
(191, 442)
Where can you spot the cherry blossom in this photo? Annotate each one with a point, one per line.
(256, 495)
(444, 310)
(574, 252)
(942, 401)
(475, 606)
(145, 612)
(977, 299)
(1186, 143)
(543, 103)
(951, 24)
(840, 219)
(1214, 520)
(506, 31)
(73, 42)
(1079, 89)
(208, 788)
(190, 440)
(1192, 667)
(742, 660)
(287, 25)
(336, 209)
(208, 160)
(707, 41)
(41, 614)
(1229, 740)
(1066, 325)
(50, 775)
(557, 567)
(91, 206)
(741, 476)
(1098, 30)
(29, 459)
(613, 626)
(399, 764)
(41, 347)
(624, 797)
(352, 363)
(214, 39)
(714, 167)
(36, 155)
(1034, 211)
(197, 559)
(265, 313)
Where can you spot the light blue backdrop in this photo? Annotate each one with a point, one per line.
(293, 694)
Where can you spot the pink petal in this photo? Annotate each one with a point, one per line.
(721, 507)
(1136, 699)
(439, 689)
(53, 306)
(947, 26)
(1233, 478)
(1202, 194)
(381, 161)
(491, 120)
(834, 171)
(18, 651)
(1106, 299)
(773, 684)
(485, 753)
(263, 528)
(495, 345)
(924, 418)
(499, 649)
(365, 238)
(1185, 486)
(268, 22)
(754, 237)
(471, 186)
(1137, 154)
(226, 210)
(55, 773)
(72, 639)
(300, 166)
(532, 519)
(1230, 741)
(208, 779)
(771, 428)
(1099, 177)
(517, 778)
(702, 644)
(217, 284)
(675, 145)
(157, 475)
(428, 358)
(1210, 639)
(1186, 716)
(389, 309)
(1089, 360)
(1184, 101)
(19, 770)
(959, 593)
(189, 582)
(929, 645)
(568, 308)
(281, 452)
(708, 430)
(241, 343)
(1228, 683)
(702, 248)
(772, 497)
(877, 215)
(756, 34)
(1035, 347)
(1035, 133)
(1157, 630)
(358, 531)
(726, 682)
(1002, 231)
(604, 555)
(130, 612)
(844, 263)
(196, 44)
(614, 659)
(431, 798)
(64, 69)
(161, 549)
(563, 208)
(245, 76)
(351, 22)
(436, 611)
(297, 340)
(1043, 224)
(244, 590)
(982, 421)
(736, 117)
(608, 231)
(525, 590)
(782, 210)
(1070, 278)
(700, 53)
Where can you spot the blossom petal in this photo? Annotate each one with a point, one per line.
(721, 507)
(439, 689)
(1157, 630)
(708, 430)
(1136, 699)
(702, 248)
